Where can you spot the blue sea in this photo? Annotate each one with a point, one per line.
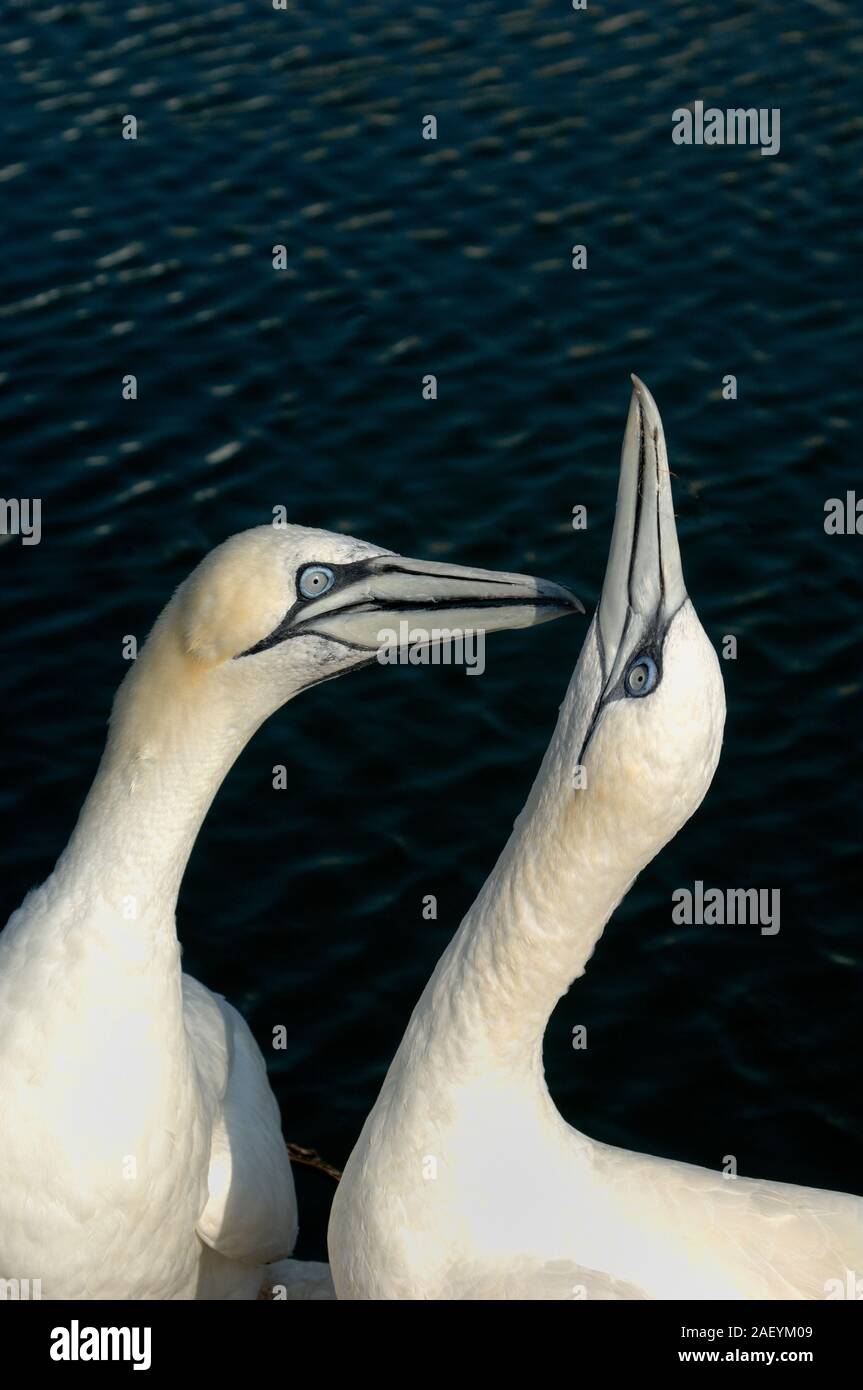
(301, 388)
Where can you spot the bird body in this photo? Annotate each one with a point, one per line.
(466, 1182)
(141, 1153)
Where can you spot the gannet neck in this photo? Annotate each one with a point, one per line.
(175, 731)
(538, 918)
(585, 833)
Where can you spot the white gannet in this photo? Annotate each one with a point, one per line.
(466, 1183)
(141, 1153)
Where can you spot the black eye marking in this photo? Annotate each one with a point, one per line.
(650, 654)
(342, 575)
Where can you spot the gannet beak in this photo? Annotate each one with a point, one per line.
(643, 586)
(385, 590)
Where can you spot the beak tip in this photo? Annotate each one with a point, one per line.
(561, 597)
(648, 407)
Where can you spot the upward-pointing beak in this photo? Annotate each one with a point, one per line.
(643, 584)
(387, 589)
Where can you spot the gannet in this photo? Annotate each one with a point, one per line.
(466, 1183)
(141, 1153)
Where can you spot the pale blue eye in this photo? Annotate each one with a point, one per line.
(315, 580)
(641, 676)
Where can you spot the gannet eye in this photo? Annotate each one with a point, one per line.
(315, 580)
(641, 676)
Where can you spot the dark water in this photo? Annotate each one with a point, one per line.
(302, 388)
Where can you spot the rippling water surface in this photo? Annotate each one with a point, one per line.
(302, 388)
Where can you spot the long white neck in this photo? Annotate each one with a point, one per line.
(573, 854)
(91, 959)
(536, 921)
(174, 734)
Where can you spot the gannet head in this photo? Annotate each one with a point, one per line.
(281, 608)
(646, 707)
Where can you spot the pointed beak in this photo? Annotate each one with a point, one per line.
(643, 585)
(388, 589)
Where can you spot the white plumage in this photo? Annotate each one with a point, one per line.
(466, 1183)
(141, 1153)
